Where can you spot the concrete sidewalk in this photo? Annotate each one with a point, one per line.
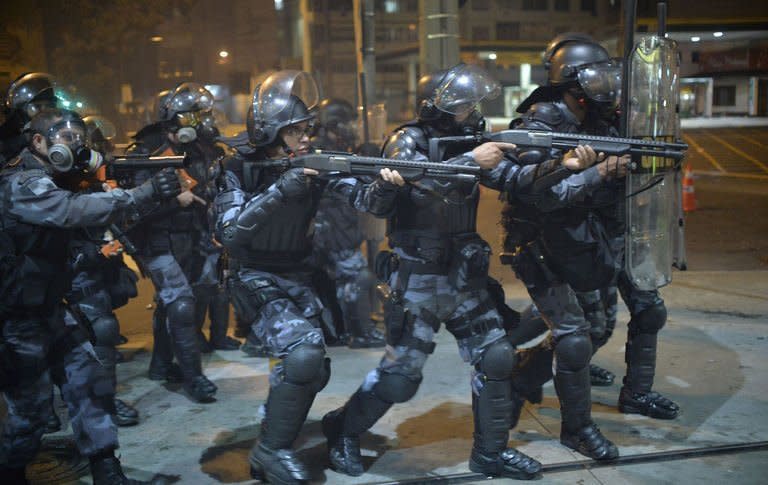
(712, 361)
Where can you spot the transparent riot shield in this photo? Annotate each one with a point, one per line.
(652, 221)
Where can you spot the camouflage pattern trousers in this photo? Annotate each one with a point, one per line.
(431, 300)
(283, 310)
(42, 349)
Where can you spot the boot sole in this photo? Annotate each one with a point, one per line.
(258, 473)
(629, 409)
(518, 475)
(586, 453)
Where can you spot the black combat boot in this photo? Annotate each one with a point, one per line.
(125, 414)
(272, 457)
(106, 470)
(492, 410)
(600, 377)
(636, 396)
(578, 432)
(343, 427)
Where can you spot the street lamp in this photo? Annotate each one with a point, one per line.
(223, 54)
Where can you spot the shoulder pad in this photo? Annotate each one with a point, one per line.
(405, 143)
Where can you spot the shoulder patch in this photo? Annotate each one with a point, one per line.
(36, 182)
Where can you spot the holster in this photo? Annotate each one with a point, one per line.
(469, 263)
(396, 317)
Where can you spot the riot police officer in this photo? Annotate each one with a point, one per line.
(43, 339)
(338, 235)
(559, 241)
(102, 281)
(265, 221)
(169, 240)
(29, 94)
(438, 273)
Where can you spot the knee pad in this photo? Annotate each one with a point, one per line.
(106, 330)
(396, 388)
(181, 311)
(650, 320)
(498, 360)
(573, 351)
(304, 364)
(323, 376)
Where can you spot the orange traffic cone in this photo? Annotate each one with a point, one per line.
(689, 193)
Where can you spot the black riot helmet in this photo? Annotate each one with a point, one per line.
(425, 93)
(158, 110)
(337, 118)
(456, 95)
(576, 62)
(188, 111)
(29, 94)
(284, 98)
(101, 133)
(333, 111)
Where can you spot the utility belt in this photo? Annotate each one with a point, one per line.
(271, 261)
(463, 258)
(530, 265)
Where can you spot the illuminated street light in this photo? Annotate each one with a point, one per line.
(695, 38)
(492, 56)
(718, 34)
(223, 54)
(156, 38)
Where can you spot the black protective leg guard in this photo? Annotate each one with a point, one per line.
(202, 301)
(573, 390)
(186, 350)
(641, 361)
(636, 396)
(490, 456)
(343, 427)
(122, 413)
(286, 409)
(218, 314)
(161, 367)
(532, 370)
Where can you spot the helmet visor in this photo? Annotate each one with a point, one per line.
(99, 128)
(601, 82)
(274, 94)
(189, 97)
(463, 88)
(34, 86)
(69, 132)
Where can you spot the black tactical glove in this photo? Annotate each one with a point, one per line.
(163, 185)
(293, 184)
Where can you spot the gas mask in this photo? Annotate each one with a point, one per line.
(194, 124)
(67, 149)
